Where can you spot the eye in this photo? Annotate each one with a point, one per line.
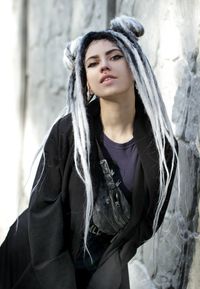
(117, 57)
(92, 64)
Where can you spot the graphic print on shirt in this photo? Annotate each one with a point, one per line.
(111, 210)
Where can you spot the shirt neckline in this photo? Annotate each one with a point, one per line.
(116, 145)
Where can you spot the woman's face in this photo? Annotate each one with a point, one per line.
(108, 74)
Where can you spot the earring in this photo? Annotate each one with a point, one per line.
(136, 87)
(90, 95)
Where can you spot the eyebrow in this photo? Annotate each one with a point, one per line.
(107, 53)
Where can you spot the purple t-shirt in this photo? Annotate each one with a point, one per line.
(125, 156)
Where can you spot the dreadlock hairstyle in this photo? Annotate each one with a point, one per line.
(124, 31)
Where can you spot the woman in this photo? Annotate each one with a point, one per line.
(105, 177)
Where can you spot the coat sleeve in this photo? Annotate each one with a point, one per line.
(46, 224)
(143, 231)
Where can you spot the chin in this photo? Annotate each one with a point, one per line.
(114, 95)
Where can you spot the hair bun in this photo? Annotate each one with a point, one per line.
(70, 52)
(127, 24)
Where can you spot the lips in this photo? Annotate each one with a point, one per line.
(107, 77)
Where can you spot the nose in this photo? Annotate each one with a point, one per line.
(104, 65)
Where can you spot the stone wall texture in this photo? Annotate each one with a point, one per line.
(172, 42)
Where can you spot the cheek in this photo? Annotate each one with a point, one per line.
(91, 79)
(128, 75)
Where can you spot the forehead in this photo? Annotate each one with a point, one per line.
(99, 46)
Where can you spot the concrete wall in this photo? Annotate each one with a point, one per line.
(171, 42)
(12, 89)
(50, 25)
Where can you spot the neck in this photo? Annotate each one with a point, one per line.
(117, 118)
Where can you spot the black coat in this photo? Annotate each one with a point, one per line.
(56, 212)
